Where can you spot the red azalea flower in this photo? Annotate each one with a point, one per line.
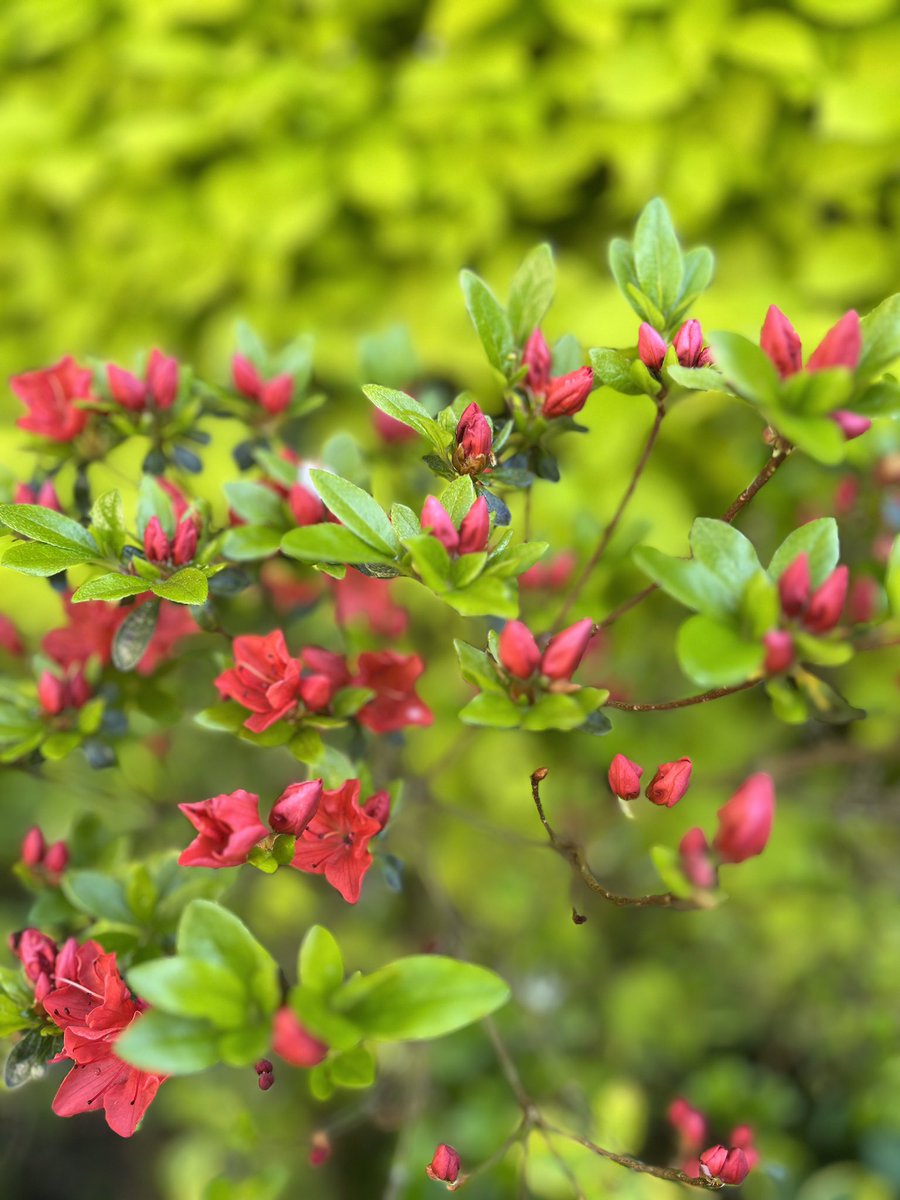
(265, 679)
(228, 827)
(49, 394)
(392, 677)
(90, 628)
(336, 841)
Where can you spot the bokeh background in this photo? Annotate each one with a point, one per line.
(329, 166)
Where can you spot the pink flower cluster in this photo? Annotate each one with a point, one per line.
(561, 395)
(813, 611)
(523, 659)
(731, 1164)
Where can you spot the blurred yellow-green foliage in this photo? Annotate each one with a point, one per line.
(169, 166)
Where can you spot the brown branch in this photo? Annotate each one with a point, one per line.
(612, 525)
(574, 855)
(686, 702)
(635, 1164)
(780, 454)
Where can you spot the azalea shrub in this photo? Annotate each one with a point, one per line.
(187, 608)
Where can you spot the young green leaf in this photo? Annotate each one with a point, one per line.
(657, 256)
(47, 526)
(458, 498)
(169, 1045)
(613, 369)
(357, 511)
(531, 292)
(190, 987)
(714, 654)
(34, 558)
(745, 367)
(880, 338)
(110, 587)
(321, 965)
(256, 504)
(187, 586)
(330, 543)
(490, 320)
(249, 542)
(108, 522)
(409, 412)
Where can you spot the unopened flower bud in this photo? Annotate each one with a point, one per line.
(689, 1123)
(245, 376)
(713, 1160)
(840, 347)
(779, 651)
(162, 378)
(474, 439)
(862, 602)
(735, 1168)
(265, 1080)
(51, 693)
(669, 783)
(852, 425)
(126, 388)
(566, 650)
(475, 528)
(156, 544)
(276, 395)
(745, 822)
(567, 394)
(741, 1138)
(536, 357)
(696, 861)
(519, 652)
(651, 348)
(436, 521)
(293, 1043)
(689, 348)
(444, 1166)
(33, 847)
(296, 807)
(378, 806)
(57, 858)
(827, 602)
(47, 497)
(306, 507)
(794, 585)
(184, 545)
(320, 1148)
(779, 340)
(625, 778)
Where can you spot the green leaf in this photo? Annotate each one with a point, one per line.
(880, 338)
(98, 895)
(478, 668)
(746, 367)
(329, 543)
(892, 579)
(405, 522)
(110, 587)
(134, 635)
(316, 1015)
(108, 522)
(354, 1068)
(699, 379)
(614, 370)
(28, 1058)
(881, 399)
(820, 652)
(494, 710)
(693, 584)
(168, 1045)
(621, 264)
(517, 559)
(486, 596)
(699, 265)
(657, 256)
(431, 561)
(212, 933)
(466, 569)
(249, 542)
(825, 704)
(819, 539)
(668, 868)
(819, 437)
(227, 717)
(60, 745)
(255, 503)
(33, 558)
(458, 498)
(11, 1018)
(187, 586)
(555, 711)
(410, 412)
(715, 655)
(44, 525)
(153, 501)
(645, 308)
(816, 392)
(189, 987)
(725, 552)
(321, 965)
(357, 511)
(424, 996)
(531, 292)
(490, 320)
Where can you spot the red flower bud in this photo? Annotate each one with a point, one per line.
(265, 1080)
(276, 394)
(378, 807)
(162, 378)
(689, 1123)
(566, 650)
(651, 348)
(736, 1168)
(390, 430)
(779, 651)
(697, 865)
(184, 545)
(475, 528)
(47, 497)
(625, 778)
(862, 603)
(126, 388)
(474, 439)
(852, 425)
(536, 357)
(669, 783)
(519, 652)
(293, 1043)
(436, 521)
(794, 585)
(568, 394)
(713, 1160)
(156, 544)
(57, 858)
(296, 807)
(320, 1148)
(689, 348)
(245, 376)
(305, 506)
(9, 637)
(444, 1166)
(33, 847)
(840, 347)
(780, 342)
(51, 693)
(263, 1067)
(827, 602)
(745, 822)
(741, 1138)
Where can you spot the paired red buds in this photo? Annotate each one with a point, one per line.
(444, 1166)
(521, 656)
(55, 695)
(158, 389)
(472, 535)
(265, 1074)
(45, 495)
(273, 395)
(730, 1166)
(38, 856)
(474, 438)
(687, 342)
(820, 610)
(177, 552)
(564, 395)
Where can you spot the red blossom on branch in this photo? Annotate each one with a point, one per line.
(50, 395)
(335, 843)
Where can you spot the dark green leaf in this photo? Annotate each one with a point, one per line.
(134, 635)
(28, 1058)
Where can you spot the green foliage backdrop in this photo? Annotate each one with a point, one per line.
(329, 165)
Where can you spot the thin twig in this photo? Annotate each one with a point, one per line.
(686, 702)
(635, 1164)
(574, 854)
(612, 525)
